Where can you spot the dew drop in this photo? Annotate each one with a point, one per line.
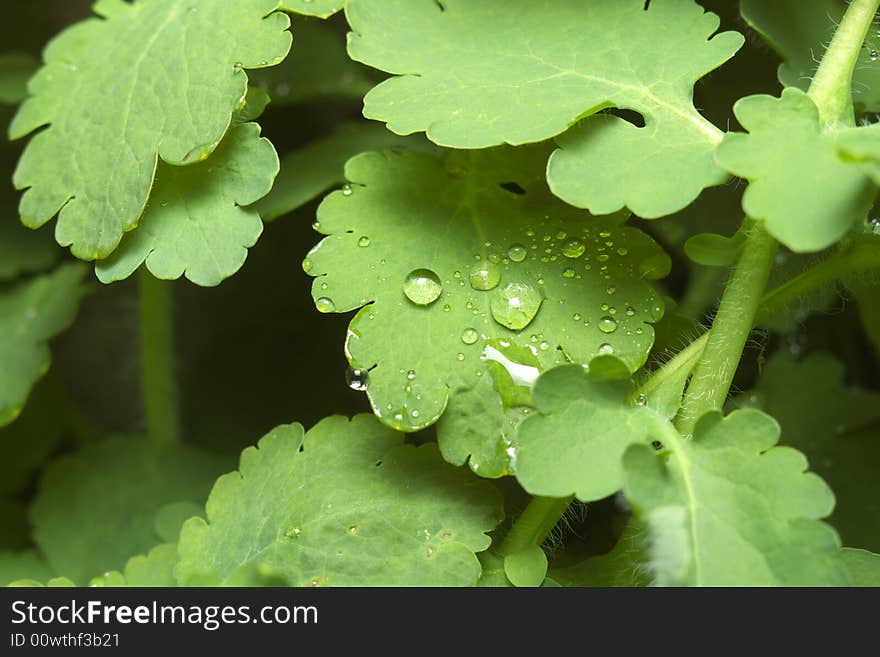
(364, 241)
(347, 190)
(515, 305)
(874, 56)
(630, 311)
(573, 249)
(325, 305)
(516, 252)
(607, 324)
(307, 265)
(576, 317)
(568, 273)
(411, 375)
(356, 379)
(460, 356)
(485, 275)
(642, 399)
(469, 336)
(622, 251)
(611, 290)
(422, 287)
(605, 349)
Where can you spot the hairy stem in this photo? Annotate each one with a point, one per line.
(534, 524)
(158, 384)
(831, 88)
(851, 260)
(714, 372)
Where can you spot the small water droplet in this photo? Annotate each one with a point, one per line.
(642, 399)
(294, 532)
(602, 258)
(325, 305)
(576, 317)
(605, 349)
(347, 190)
(469, 336)
(573, 249)
(364, 241)
(515, 305)
(607, 324)
(460, 356)
(630, 311)
(164, 204)
(485, 275)
(356, 379)
(622, 251)
(544, 346)
(516, 252)
(611, 290)
(353, 529)
(422, 287)
(307, 265)
(874, 56)
(568, 273)
(411, 375)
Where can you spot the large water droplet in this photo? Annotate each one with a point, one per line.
(517, 252)
(605, 349)
(469, 336)
(356, 379)
(515, 305)
(607, 324)
(485, 275)
(573, 249)
(325, 305)
(422, 287)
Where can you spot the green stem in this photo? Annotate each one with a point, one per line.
(831, 88)
(851, 260)
(534, 524)
(714, 372)
(158, 383)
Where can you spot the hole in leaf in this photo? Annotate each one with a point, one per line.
(630, 116)
(513, 188)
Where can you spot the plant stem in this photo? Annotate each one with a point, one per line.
(714, 372)
(534, 524)
(848, 261)
(158, 384)
(831, 88)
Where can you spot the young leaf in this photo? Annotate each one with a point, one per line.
(97, 507)
(31, 314)
(800, 30)
(729, 508)
(449, 254)
(149, 80)
(837, 427)
(806, 192)
(195, 223)
(346, 504)
(573, 444)
(316, 167)
(625, 565)
(318, 69)
(474, 75)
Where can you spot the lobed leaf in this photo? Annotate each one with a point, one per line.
(31, 314)
(478, 74)
(149, 80)
(196, 223)
(484, 252)
(345, 504)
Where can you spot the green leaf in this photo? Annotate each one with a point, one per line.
(527, 567)
(573, 444)
(478, 74)
(159, 79)
(714, 250)
(626, 565)
(346, 504)
(23, 251)
(317, 69)
(730, 508)
(316, 167)
(837, 427)
(321, 8)
(97, 507)
(479, 262)
(862, 567)
(31, 314)
(16, 68)
(153, 569)
(807, 194)
(26, 564)
(800, 30)
(195, 224)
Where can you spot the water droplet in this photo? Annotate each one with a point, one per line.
(164, 204)
(353, 529)
(573, 249)
(544, 346)
(515, 305)
(325, 305)
(875, 225)
(568, 273)
(517, 252)
(356, 379)
(622, 251)
(469, 336)
(605, 233)
(460, 356)
(642, 399)
(630, 311)
(602, 258)
(307, 265)
(607, 324)
(611, 290)
(605, 349)
(576, 317)
(347, 190)
(874, 56)
(364, 241)
(294, 532)
(485, 275)
(422, 287)
(446, 308)
(411, 375)
(561, 235)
